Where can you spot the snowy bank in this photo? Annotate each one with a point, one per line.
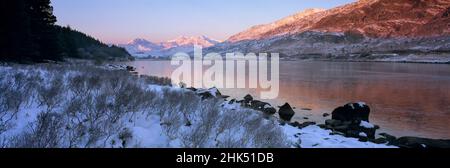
(72, 106)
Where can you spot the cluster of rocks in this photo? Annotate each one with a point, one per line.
(285, 111)
(416, 142)
(352, 120)
(208, 93)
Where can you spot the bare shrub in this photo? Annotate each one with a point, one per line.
(46, 132)
(51, 96)
(154, 80)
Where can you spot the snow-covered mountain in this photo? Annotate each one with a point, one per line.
(362, 30)
(373, 18)
(144, 48)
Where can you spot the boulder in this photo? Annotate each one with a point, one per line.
(286, 112)
(351, 128)
(192, 89)
(270, 110)
(232, 101)
(305, 124)
(332, 122)
(302, 125)
(416, 142)
(379, 140)
(262, 106)
(205, 95)
(208, 93)
(248, 98)
(130, 68)
(390, 138)
(352, 112)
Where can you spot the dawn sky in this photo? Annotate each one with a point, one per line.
(119, 21)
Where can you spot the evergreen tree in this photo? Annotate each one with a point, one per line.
(43, 31)
(16, 42)
(28, 31)
(29, 34)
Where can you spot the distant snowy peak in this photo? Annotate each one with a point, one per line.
(143, 48)
(194, 40)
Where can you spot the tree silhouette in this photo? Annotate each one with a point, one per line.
(29, 34)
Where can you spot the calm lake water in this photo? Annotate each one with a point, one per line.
(406, 99)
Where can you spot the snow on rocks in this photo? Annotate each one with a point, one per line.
(208, 93)
(366, 124)
(315, 137)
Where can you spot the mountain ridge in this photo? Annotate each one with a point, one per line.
(373, 18)
(140, 47)
(366, 30)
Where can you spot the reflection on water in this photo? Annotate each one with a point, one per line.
(406, 99)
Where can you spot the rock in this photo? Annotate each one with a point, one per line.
(294, 124)
(270, 110)
(306, 118)
(305, 124)
(337, 133)
(130, 68)
(351, 129)
(332, 122)
(323, 126)
(379, 140)
(257, 105)
(352, 112)
(286, 112)
(302, 125)
(209, 93)
(389, 138)
(416, 142)
(325, 114)
(224, 96)
(192, 89)
(306, 109)
(377, 127)
(248, 98)
(205, 95)
(262, 106)
(363, 139)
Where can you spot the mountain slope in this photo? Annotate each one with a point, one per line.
(385, 18)
(373, 18)
(272, 29)
(383, 30)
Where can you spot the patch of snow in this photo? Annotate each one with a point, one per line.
(361, 104)
(366, 124)
(362, 134)
(316, 137)
(147, 132)
(351, 105)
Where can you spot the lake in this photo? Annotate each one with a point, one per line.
(406, 99)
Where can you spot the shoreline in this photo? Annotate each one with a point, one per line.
(299, 135)
(404, 141)
(327, 60)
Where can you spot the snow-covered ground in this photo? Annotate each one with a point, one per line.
(74, 106)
